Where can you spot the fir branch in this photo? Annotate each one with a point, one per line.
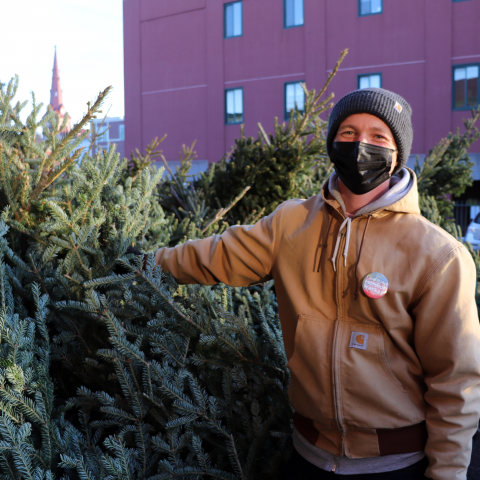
(223, 211)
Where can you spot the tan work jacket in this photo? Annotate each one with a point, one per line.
(421, 361)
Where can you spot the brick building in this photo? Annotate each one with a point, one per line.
(108, 131)
(197, 69)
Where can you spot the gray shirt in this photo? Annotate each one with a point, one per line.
(351, 466)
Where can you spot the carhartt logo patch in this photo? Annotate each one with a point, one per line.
(359, 340)
(398, 107)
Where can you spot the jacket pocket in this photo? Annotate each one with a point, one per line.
(310, 389)
(370, 395)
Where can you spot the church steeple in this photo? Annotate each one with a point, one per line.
(56, 97)
(56, 100)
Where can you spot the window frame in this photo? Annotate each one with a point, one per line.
(243, 109)
(360, 14)
(119, 138)
(369, 75)
(105, 136)
(285, 112)
(225, 5)
(465, 65)
(285, 15)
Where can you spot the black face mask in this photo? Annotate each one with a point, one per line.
(361, 166)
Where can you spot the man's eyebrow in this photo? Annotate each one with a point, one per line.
(383, 130)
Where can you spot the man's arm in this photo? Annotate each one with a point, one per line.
(447, 340)
(241, 256)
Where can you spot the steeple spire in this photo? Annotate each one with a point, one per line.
(56, 100)
(56, 97)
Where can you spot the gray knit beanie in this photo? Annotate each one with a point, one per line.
(393, 109)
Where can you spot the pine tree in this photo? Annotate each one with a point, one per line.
(109, 369)
(446, 173)
(276, 166)
(122, 375)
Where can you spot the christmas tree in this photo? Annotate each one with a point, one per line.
(109, 369)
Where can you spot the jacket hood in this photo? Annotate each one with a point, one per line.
(403, 201)
(401, 197)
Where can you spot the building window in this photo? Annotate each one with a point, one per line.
(122, 132)
(369, 7)
(293, 13)
(458, 1)
(102, 132)
(465, 86)
(294, 95)
(372, 80)
(234, 106)
(233, 19)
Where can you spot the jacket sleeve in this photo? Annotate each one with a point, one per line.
(447, 340)
(241, 256)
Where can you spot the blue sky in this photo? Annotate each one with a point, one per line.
(89, 39)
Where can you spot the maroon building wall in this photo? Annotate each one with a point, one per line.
(178, 64)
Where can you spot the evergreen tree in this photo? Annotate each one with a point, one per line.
(122, 373)
(109, 369)
(446, 173)
(276, 166)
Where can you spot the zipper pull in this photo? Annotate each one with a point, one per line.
(334, 464)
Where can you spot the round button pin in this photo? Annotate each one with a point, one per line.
(375, 285)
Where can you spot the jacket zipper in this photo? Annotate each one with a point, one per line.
(335, 376)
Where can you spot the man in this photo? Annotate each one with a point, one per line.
(376, 304)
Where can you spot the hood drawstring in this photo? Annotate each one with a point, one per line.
(359, 255)
(324, 245)
(348, 223)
